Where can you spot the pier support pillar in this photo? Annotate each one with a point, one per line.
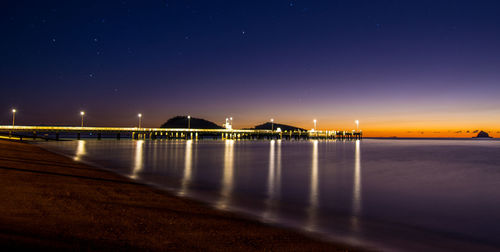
(99, 136)
(78, 135)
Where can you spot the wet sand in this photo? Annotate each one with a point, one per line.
(52, 202)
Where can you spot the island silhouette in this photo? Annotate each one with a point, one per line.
(483, 134)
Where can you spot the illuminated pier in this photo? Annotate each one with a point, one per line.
(55, 133)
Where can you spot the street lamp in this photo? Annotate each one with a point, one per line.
(189, 122)
(357, 125)
(13, 116)
(314, 124)
(82, 114)
(272, 124)
(140, 119)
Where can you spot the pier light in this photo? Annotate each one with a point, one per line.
(357, 125)
(13, 116)
(229, 123)
(272, 124)
(140, 119)
(314, 124)
(82, 113)
(189, 121)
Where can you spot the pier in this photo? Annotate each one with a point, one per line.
(59, 132)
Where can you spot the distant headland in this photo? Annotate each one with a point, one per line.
(275, 126)
(189, 122)
(200, 123)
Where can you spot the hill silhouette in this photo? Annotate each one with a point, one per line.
(283, 127)
(196, 123)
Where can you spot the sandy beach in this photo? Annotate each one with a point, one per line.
(50, 201)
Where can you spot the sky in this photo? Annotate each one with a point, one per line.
(402, 68)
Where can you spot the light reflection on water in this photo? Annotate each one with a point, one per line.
(227, 179)
(80, 150)
(399, 194)
(356, 195)
(138, 159)
(313, 191)
(188, 167)
(274, 179)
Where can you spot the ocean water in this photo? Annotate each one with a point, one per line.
(391, 195)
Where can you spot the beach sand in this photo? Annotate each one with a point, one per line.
(52, 202)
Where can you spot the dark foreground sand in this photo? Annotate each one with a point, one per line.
(52, 202)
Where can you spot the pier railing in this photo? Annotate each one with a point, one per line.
(171, 133)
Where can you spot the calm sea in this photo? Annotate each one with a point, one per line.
(410, 195)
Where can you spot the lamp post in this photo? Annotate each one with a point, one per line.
(140, 119)
(82, 113)
(189, 122)
(357, 125)
(314, 124)
(13, 117)
(272, 124)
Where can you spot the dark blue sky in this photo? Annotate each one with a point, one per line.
(291, 60)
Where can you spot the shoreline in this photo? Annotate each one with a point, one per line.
(52, 201)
